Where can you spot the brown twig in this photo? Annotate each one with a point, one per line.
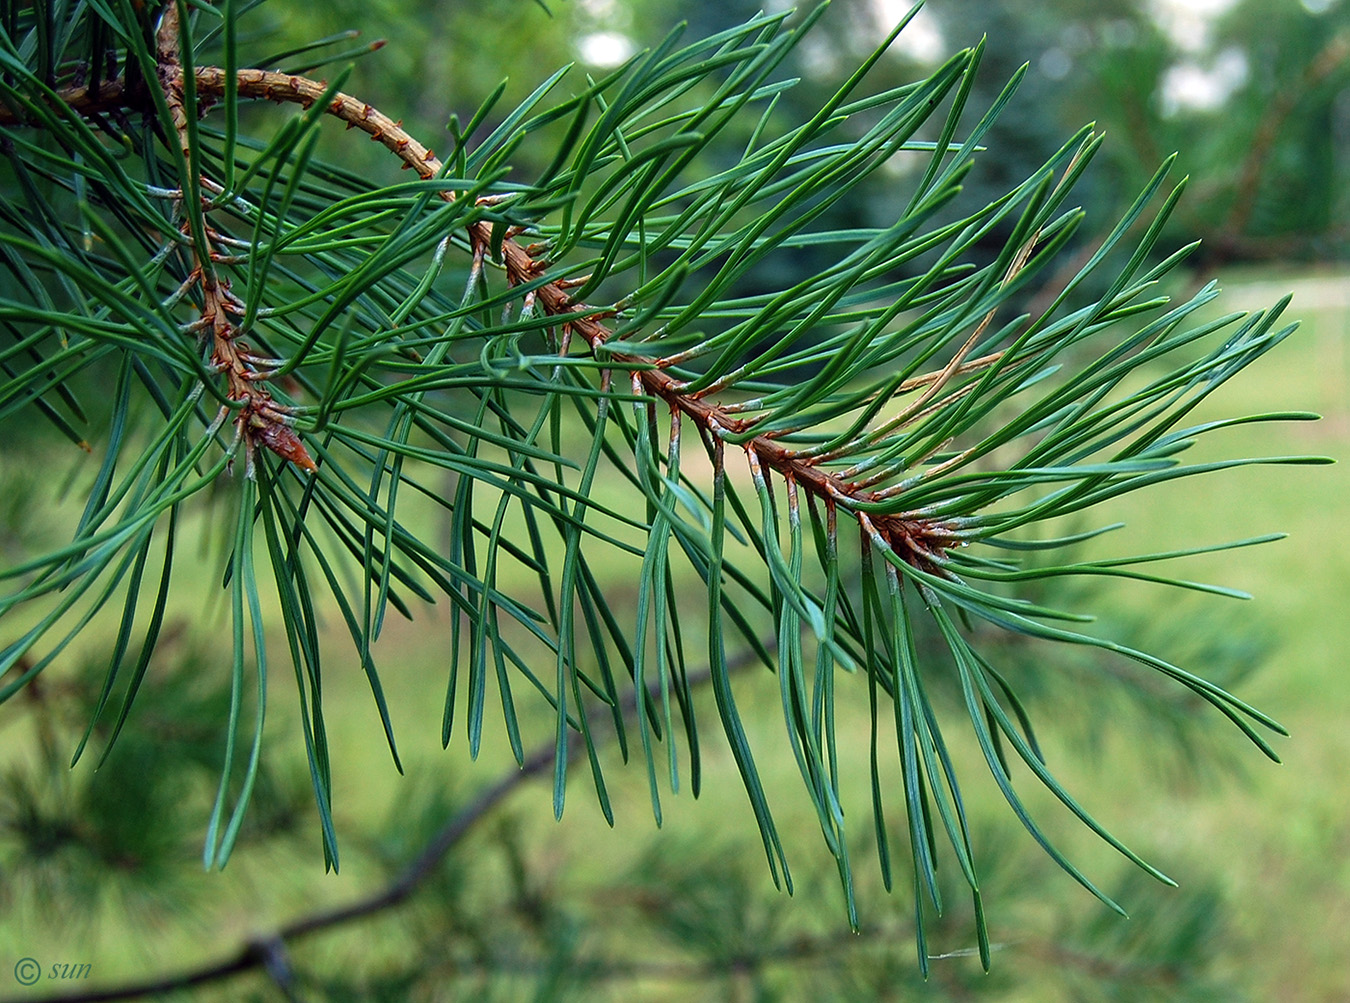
(261, 420)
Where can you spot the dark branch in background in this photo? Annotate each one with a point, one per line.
(105, 96)
(268, 951)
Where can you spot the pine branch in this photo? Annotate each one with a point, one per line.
(263, 420)
(922, 483)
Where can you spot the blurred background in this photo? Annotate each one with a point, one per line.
(1254, 97)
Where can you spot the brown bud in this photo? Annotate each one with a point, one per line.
(282, 440)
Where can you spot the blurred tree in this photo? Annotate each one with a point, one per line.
(1254, 101)
(1290, 196)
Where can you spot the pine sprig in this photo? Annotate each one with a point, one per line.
(894, 388)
